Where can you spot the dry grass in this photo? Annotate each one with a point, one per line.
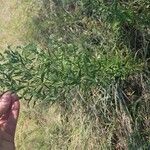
(44, 128)
(13, 21)
(9, 32)
(47, 127)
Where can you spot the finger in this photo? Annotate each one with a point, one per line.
(14, 97)
(13, 117)
(5, 102)
(15, 110)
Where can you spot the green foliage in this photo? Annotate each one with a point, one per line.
(46, 74)
(84, 51)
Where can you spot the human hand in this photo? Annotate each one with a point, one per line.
(9, 112)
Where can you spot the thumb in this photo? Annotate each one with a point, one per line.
(5, 102)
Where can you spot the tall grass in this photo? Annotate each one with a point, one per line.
(85, 74)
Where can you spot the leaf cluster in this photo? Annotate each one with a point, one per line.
(45, 74)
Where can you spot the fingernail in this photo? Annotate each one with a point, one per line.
(14, 96)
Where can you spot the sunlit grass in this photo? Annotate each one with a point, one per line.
(82, 59)
(14, 15)
(44, 128)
